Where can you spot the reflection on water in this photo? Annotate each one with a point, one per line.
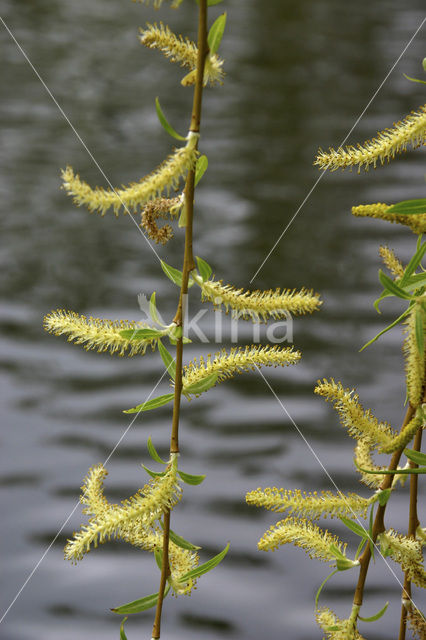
(298, 76)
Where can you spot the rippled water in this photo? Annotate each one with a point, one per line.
(299, 73)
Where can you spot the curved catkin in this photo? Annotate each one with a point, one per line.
(414, 360)
(144, 507)
(183, 51)
(407, 552)
(136, 194)
(363, 458)
(259, 305)
(302, 533)
(310, 505)
(98, 334)
(411, 131)
(227, 364)
(417, 223)
(361, 424)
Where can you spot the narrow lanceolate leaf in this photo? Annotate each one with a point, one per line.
(175, 275)
(152, 404)
(168, 360)
(189, 478)
(414, 263)
(204, 568)
(141, 334)
(384, 496)
(154, 474)
(322, 586)
(419, 471)
(388, 328)
(409, 207)
(416, 456)
(200, 168)
(153, 452)
(158, 554)
(216, 33)
(375, 617)
(140, 605)
(153, 309)
(204, 385)
(413, 79)
(164, 122)
(353, 526)
(204, 269)
(392, 287)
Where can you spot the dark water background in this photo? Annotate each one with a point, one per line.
(298, 75)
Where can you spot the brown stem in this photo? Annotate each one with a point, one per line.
(188, 266)
(413, 523)
(378, 525)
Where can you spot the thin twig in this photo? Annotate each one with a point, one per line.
(188, 266)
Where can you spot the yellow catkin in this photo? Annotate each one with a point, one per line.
(391, 261)
(259, 305)
(414, 362)
(227, 364)
(407, 552)
(417, 223)
(183, 51)
(310, 505)
(405, 436)
(411, 131)
(145, 507)
(92, 496)
(363, 458)
(302, 533)
(360, 424)
(98, 334)
(136, 194)
(335, 628)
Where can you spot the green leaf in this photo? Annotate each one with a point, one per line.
(154, 474)
(164, 122)
(122, 634)
(158, 553)
(343, 564)
(153, 309)
(168, 360)
(377, 616)
(353, 526)
(153, 452)
(415, 456)
(140, 605)
(388, 328)
(141, 334)
(200, 168)
(203, 385)
(204, 269)
(216, 33)
(152, 404)
(392, 287)
(336, 552)
(204, 568)
(191, 479)
(173, 274)
(384, 496)
(321, 587)
(413, 79)
(409, 207)
(360, 548)
(181, 542)
(420, 336)
(414, 263)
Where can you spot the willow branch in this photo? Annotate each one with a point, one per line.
(413, 523)
(188, 266)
